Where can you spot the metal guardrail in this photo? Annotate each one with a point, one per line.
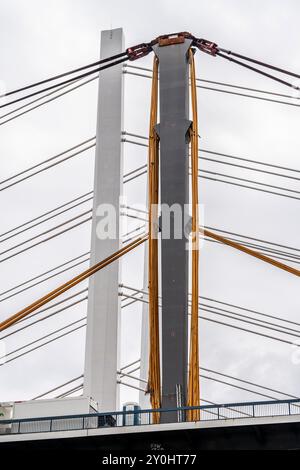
(235, 411)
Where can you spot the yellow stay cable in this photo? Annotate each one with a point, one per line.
(193, 378)
(154, 386)
(71, 283)
(249, 251)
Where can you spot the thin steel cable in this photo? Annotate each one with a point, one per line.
(135, 299)
(261, 98)
(278, 253)
(241, 388)
(248, 321)
(286, 256)
(15, 116)
(36, 100)
(47, 239)
(120, 382)
(124, 139)
(64, 205)
(125, 374)
(64, 74)
(257, 90)
(43, 318)
(221, 314)
(79, 152)
(133, 177)
(139, 299)
(271, 165)
(71, 283)
(252, 238)
(247, 243)
(261, 72)
(264, 252)
(246, 330)
(253, 253)
(57, 388)
(127, 240)
(33, 167)
(70, 392)
(54, 269)
(43, 280)
(258, 170)
(283, 327)
(248, 187)
(131, 216)
(244, 95)
(283, 254)
(233, 326)
(44, 273)
(257, 247)
(290, 257)
(228, 316)
(132, 231)
(136, 170)
(250, 383)
(46, 219)
(275, 254)
(41, 338)
(250, 310)
(216, 380)
(42, 345)
(49, 307)
(45, 232)
(70, 80)
(131, 371)
(45, 214)
(77, 388)
(238, 387)
(204, 318)
(246, 180)
(258, 62)
(130, 364)
(134, 142)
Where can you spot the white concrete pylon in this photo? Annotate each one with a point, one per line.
(103, 324)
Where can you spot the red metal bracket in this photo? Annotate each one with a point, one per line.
(138, 51)
(141, 50)
(204, 45)
(173, 38)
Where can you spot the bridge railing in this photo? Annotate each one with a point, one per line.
(244, 410)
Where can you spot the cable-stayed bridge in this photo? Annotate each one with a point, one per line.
(168, 372)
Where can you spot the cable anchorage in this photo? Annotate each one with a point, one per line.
(138, 51)
(206, 46)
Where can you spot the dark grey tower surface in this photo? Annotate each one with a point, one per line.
(174, 175)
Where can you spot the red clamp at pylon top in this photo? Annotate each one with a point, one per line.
(171, 39)
(143, 49)
(138, 51)
(204, 45)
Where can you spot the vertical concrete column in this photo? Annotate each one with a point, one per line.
(103, 324)
(174, 180)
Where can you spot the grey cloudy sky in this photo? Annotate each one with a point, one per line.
(40, 39)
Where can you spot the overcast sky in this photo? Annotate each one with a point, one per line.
(39, 39)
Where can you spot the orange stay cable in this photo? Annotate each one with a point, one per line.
(71, 283)
(154, 385)
(249, 251)
(193, 378)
